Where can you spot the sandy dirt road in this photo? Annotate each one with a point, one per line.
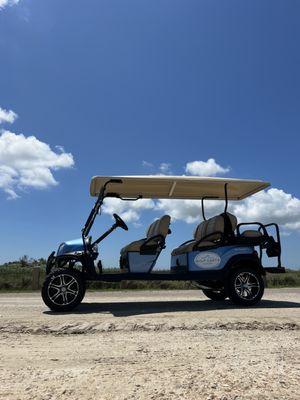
(150, 345)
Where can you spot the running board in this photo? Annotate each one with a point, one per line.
(210, 275)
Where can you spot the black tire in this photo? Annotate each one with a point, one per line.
(214, 294)
(63, 290)
(246, 286)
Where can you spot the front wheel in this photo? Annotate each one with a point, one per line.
(63, 290)
(215, 295)
(246, 286)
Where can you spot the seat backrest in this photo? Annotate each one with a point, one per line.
(159, 227)
(214, 224)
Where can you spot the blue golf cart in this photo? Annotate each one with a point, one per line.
(223, 257)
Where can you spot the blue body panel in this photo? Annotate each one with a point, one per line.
(212, 259)
(71, 246)
(140, 262)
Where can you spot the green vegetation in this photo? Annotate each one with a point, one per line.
(290, 279)
(18, 276)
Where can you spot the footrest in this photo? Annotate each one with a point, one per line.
(275, 270)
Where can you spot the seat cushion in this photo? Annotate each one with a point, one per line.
(251, 237)
(133, 246)
(251, 234)
(186, 248)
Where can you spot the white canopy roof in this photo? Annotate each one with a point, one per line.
(177, 187)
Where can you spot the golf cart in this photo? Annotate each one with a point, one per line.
(224, 257)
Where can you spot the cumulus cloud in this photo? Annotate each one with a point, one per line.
(205, 168)
(187, 210)
(273, 205)
(4, 3)
(28, 162)
(7, 115)
(128, 210)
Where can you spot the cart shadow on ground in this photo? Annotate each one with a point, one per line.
(132, 308)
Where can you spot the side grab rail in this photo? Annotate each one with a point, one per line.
(278, 241)
(276, 229)
(261, 226)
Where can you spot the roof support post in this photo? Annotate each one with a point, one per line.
(226, 197)
(172, 188)
(202, 208)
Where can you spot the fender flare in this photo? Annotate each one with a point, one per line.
(243, 259)
(51, 262)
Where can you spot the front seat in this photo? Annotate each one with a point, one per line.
(209, 233)
(151, 245)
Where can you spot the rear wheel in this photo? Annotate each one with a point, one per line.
(216, 295)
(246, 286)
(63, 290)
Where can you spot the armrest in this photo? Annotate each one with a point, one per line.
(188, 241)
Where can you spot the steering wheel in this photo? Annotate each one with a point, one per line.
(120, 222)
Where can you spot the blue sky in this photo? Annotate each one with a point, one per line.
(118, 83)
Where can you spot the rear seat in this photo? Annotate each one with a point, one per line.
(216, 227)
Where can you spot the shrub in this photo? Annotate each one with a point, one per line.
(15, 276)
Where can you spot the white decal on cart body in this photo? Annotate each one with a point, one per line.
(207, 259)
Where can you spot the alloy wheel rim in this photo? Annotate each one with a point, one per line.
(246, 285)
(63, 289)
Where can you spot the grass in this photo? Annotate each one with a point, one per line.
(14, 278)
(290, 279)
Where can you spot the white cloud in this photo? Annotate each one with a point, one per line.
(128, 210)
(4, 3)
(7, 115)
(28, 162)
(205, 168)
(273, 205)
(147, 164)
(165, 168)
(188, 210)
